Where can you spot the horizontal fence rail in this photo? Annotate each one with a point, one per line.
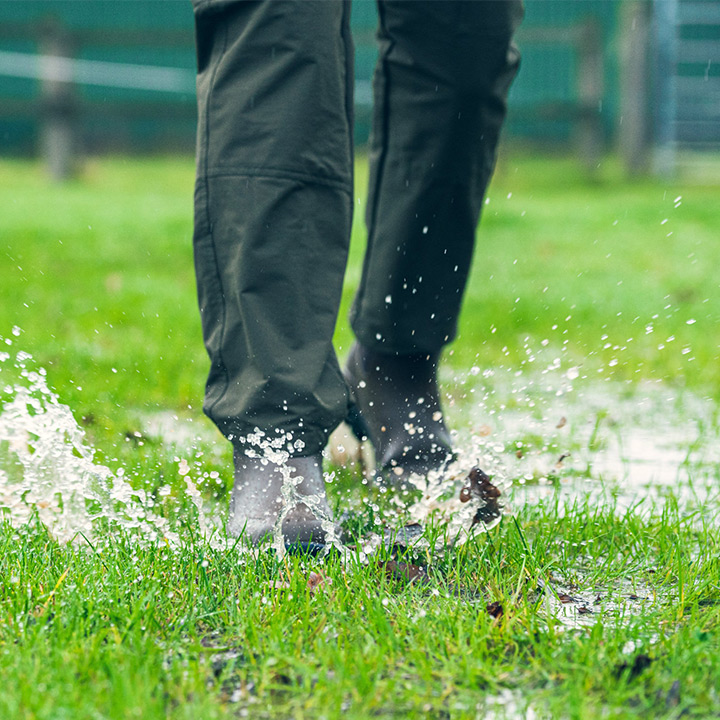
(60, 69)
(62, 112)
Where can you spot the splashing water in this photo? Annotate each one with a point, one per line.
(48, 471)
(440, 499)
(277, 450)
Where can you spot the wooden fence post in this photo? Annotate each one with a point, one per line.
(665, 21)
(59, 109)
(634, 126)
(590, 87)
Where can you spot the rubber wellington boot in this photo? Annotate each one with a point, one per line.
(397, 406)
(257, 500)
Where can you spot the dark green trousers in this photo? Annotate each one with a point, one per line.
(273, 198)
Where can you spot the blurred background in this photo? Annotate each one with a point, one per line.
(637, 77)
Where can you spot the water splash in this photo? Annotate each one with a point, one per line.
(440, 499)
(48, 471)
(517, 425)
(277, 450)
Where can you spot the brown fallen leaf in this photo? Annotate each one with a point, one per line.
(584, 610)
(403, 571)
(495, 609)
(480, 489)
(562, 422)
(564, 598)
(316, 580)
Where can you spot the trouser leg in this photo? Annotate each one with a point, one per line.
(440, 88)
(273, 203)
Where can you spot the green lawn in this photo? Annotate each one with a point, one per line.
(578, 608)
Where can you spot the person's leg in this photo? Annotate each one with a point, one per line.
(440, 87)
(273, 204)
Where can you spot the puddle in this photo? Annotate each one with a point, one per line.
(181, 432)
(507, 704)
(632, 445)
(575, 607)
(556, 432)
(537, 434)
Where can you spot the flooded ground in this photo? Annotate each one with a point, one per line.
(628, 444)
(553, 438)
(541, 436)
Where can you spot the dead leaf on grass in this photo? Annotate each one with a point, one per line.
(315, 581)
(404, 571)
(479, 488)
(495, 609)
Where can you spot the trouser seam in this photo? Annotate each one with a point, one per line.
(349, 67)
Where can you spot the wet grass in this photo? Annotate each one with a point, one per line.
(595, 614)
(577, 608)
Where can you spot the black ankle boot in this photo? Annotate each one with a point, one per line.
(397, 407)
